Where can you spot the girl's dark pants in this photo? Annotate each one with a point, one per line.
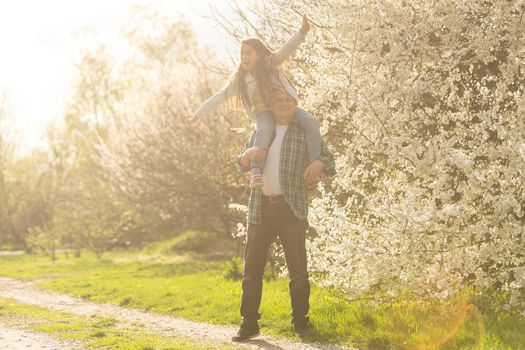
(278, 220)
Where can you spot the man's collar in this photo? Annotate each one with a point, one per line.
(293, 120)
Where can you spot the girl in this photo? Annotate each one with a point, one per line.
(257, 74)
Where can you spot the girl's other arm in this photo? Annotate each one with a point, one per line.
(218, 98)
(291, 45)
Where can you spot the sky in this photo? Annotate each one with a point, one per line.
(41, 39)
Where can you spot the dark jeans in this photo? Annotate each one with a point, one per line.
(278, 220)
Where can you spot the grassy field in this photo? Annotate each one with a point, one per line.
(188, 286)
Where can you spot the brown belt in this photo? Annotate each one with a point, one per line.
(273, 199)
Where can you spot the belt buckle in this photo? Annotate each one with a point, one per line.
(274, 199)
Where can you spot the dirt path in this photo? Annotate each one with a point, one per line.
(195, 332)
(17, 339)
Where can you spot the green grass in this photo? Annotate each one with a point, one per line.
(92, 332)
(189, 287)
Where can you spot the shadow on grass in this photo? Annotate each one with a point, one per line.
(314, 336)
(263, 344)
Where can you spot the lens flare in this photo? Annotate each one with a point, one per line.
(444, 323)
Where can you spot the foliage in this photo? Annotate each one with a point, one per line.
(233, 269)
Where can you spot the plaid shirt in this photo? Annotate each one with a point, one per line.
(293, 162)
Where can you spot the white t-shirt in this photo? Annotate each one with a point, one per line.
(272, 184)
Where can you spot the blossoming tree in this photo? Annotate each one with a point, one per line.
(423, 105)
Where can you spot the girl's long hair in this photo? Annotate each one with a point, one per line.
(262, 74)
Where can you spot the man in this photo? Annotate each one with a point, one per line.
(280, 209)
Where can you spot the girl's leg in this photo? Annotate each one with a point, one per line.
(312, 132)
(264, 127)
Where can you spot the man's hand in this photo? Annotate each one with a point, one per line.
(305, 27)
(314, 172)
(253, 154)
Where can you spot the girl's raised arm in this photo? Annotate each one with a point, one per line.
(291, 45)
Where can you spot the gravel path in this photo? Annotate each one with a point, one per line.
(11, 252)
(17, 339)
(195, 332)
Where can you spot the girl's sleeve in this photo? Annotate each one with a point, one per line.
(288, 48)
(218, 98)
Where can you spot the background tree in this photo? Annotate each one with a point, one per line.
(29, 193)
(157, 159)
(124, 166)
(7, 149)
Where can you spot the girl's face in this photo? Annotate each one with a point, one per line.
(248, 57)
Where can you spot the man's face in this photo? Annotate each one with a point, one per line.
(283, 105)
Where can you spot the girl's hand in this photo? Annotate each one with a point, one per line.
(305, 27)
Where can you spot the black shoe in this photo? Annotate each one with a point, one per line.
(247, 331)
(301, 327)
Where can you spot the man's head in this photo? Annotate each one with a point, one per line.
(283, 106)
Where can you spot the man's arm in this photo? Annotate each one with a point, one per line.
(239, 160)
(328, 160)
(248, 154)
(221, 96)
(318, 169)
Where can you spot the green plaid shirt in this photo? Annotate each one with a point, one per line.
(293, 162)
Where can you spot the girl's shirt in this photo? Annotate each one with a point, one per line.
(278, 80)
(257, 104)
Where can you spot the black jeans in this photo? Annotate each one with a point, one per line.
(278, 220)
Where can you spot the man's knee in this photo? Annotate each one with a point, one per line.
(298, 277)
(252, 271)
(250, 281)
